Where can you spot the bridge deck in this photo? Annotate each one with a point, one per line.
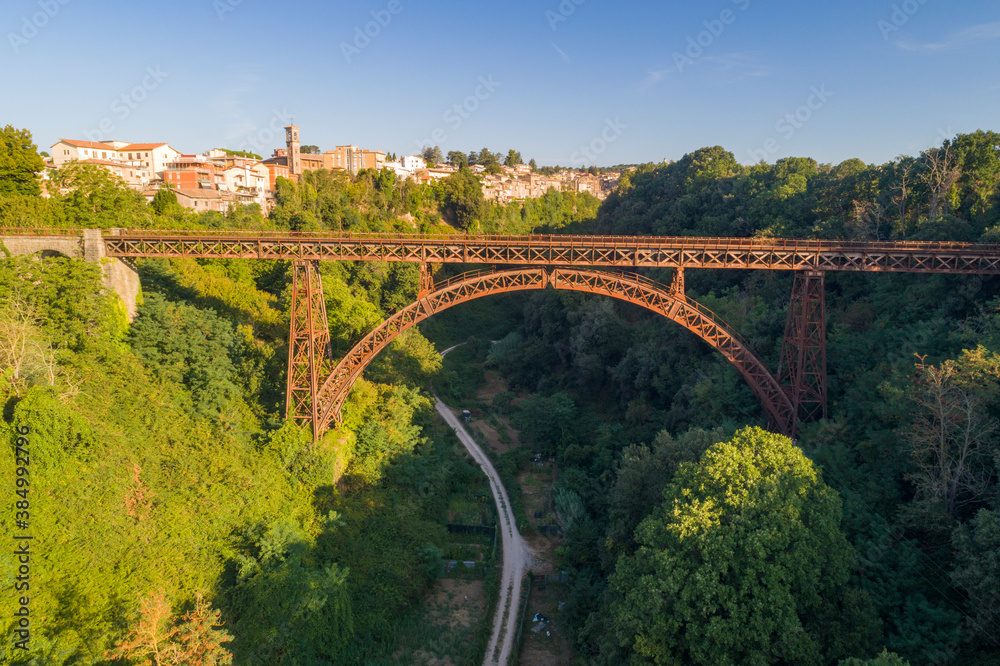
(551, 250)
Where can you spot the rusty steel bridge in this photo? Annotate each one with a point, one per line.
(317, 386)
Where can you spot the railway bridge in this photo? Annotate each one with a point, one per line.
(318, 385)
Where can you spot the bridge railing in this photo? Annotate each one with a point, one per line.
(552, 240)
(584, 240)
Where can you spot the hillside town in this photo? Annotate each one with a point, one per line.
(218, 178)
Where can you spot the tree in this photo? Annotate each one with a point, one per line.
(97, 198)
(533, 164)
(738, 563)
(643, 473)
(164, 201)
(487, 158)
(432, 155)
(25, 355)
(241, 153)
(289, 607)
(977, 571)
(183, 344)
(950, 436)
(457, 158)
(309, 150)
(941, 172)
(885, 659)
(462, 201)
(19, 163)
(513, 158)
(194, 640)
(904, 167)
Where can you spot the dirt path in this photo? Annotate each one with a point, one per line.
(516, 556)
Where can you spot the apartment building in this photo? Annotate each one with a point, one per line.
(153, 157)
(353, 159)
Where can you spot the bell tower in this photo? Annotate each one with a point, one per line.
(292, 145)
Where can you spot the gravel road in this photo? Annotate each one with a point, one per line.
(516, 556)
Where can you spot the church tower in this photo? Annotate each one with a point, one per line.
(292, 145)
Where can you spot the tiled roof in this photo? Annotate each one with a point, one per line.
(87, 144)
(201, 194)
(142, 146)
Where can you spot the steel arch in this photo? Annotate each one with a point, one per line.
(672, 304)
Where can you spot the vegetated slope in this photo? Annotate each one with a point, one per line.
(161, 468)
(911, 446)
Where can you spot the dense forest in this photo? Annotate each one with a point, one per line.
(174, 506)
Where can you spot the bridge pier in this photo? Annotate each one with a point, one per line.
(309, 360)
(802, 368)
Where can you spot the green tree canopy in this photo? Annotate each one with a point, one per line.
(19, 162)
(97, 198)
(458, 158)
(513, 158)
(432, 155)
(462, 201)
(735, 566)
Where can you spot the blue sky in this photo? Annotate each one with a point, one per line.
(562, 81)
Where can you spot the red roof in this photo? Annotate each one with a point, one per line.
(87, 144)
(142, 146)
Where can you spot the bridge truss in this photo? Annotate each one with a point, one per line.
(671, 302)
(317, 388)
(589, 251)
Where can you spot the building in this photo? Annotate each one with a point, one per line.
(414, 163)
(136, 177)
(192, 172)
(292, 154)
(153, 157)
(200, 200)
(69, 150)
(276, 168)
(249, 183)
(353, 159)
(311, 162)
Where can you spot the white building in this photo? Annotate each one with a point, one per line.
(68, 150)
(398, 169)
(249, 182)
(152, 157)
(413, 163)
